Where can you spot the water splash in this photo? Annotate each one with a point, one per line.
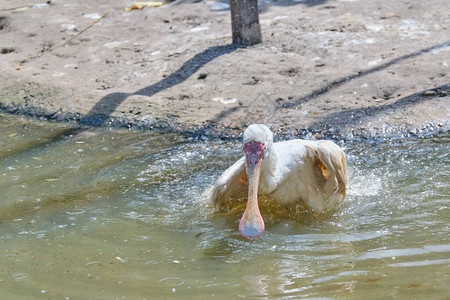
(127, 213)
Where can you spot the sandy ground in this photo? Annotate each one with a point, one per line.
(345, 66)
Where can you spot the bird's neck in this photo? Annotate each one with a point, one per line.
(268, 173)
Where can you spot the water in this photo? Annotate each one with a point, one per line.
(109, 214)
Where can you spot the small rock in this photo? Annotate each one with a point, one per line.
(202, 76)
(70, 27)
(201, 28)
(93, 16)
(429, 93)
(318, 136)
(224, 100)
(291, 72)
(7, 50)
(254, 81)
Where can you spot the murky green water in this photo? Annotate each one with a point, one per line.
(107, 214)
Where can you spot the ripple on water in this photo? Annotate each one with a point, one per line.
(421, 263)
(141, 222)
(77, 211)
(20, 276)
(339, 275)
(384, 253)
(171, 281)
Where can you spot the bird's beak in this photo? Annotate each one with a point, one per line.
(252, 224)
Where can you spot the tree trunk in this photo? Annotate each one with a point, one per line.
(245, 22)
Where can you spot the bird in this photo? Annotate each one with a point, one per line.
(311, 173)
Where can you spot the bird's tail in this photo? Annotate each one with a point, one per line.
(330, 159)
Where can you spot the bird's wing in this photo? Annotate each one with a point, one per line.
(330, 173)
(232, 184)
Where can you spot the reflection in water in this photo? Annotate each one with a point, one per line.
(98, 213)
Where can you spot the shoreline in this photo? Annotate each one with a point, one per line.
(426, 129)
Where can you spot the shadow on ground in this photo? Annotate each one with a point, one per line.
(349, 78)
(337, 83)
(356, 116)
(100, 113)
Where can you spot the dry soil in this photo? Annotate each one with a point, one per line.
(343, 66)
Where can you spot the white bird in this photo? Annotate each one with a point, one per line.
(296, 171)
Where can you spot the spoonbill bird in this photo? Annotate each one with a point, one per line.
(296, 171)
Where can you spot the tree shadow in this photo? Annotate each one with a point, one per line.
(346, 79)
(264, 6)
(100, 113)
(356, 116)
(336, 83)
(309, 3)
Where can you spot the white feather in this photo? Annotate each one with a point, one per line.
(310, 172)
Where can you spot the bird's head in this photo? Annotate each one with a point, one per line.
(258, 140)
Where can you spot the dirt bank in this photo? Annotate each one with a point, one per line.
(345, 66)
